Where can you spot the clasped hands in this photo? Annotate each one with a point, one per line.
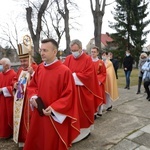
(46, 112)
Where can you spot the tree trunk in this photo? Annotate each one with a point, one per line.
(97, 29)
(98, 14)
(66, 21)
(36, 35)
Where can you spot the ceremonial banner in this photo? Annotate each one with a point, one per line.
(19, 102)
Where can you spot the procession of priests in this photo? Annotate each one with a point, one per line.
(53, 105)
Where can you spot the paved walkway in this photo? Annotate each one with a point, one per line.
(126, 127)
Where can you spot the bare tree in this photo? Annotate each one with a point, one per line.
(98, 14)
(65, 14)
(36, 35)
(64, 11)
(38, 22)
(56, 23)
(9, 36)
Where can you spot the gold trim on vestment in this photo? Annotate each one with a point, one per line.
(58, 132)
(82, 105)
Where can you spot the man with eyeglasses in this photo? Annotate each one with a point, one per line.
(21, 105)
(52, 94)
(88, 90)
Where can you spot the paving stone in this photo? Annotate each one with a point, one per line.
(125, 145)
(146, 129)
(143, 139)
(142, 148)
(135, 134)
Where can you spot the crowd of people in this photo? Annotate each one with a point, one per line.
(54, 104)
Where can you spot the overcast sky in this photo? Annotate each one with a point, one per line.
(9, 9)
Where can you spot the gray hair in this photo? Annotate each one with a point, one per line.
(76, 41)
(6, 61)
(144, 54)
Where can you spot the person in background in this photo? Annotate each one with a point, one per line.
(101, 75)
(146, 77)
(21, 104)
(6, 98)
(115, 63)
(111, 87)
(55, 123)
(127, 65)
(88, 89)
(142, 60)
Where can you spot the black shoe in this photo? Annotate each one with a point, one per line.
(128, 88)
(138, 92)
(95, 117)
(99, 115)
(147, 97)
(109, 108)
(125, 87)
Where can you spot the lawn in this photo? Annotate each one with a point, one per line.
(133, 78)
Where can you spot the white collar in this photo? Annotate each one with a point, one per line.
(95, 59)
(55, 60)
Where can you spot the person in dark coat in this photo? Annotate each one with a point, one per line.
(127, 65)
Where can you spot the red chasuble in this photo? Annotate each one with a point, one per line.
(54, 84)
(101, 75)
(26, 113)
(6, 105)
(89, 95)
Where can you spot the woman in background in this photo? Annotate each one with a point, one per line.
(142, 60)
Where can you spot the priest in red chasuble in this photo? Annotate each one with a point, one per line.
(88, 89)
(22, 112)
(6, 98)
(101, 75)
(52, 93)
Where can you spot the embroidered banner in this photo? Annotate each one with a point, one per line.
(18, 102)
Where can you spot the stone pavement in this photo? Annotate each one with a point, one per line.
(126, 127)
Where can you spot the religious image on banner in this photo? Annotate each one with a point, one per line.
(19, 102)
(20, 87)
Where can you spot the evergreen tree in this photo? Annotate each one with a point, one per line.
(138, 35)
(129, 25)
